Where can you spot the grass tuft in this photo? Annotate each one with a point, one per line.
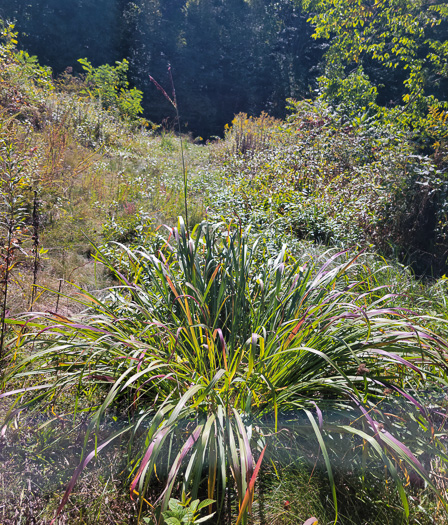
(210, 353)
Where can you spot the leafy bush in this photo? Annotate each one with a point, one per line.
(32, 70)
(341, 181)
(351, 96)
(211, 349)
(111, 86)
(186, 511)
(402, 47)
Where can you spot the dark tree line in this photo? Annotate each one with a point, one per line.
(61, 31)
(227, 56)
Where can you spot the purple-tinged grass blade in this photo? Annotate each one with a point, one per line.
(404, 449)
(224, 346)
(250, 489)
(187, 446)
(23, 390)
(159, 437)
(396, 357)
(385, 438)
(411, 399)
(79, 470)
(319, 415)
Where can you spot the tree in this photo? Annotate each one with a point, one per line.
(227, 57)
(400, 43)
(61, 32)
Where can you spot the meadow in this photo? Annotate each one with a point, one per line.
(250, 329)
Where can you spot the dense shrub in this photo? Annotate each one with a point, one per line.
(337, 180)
(110, 85)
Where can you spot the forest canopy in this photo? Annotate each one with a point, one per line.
(242, 55)
(226, 56)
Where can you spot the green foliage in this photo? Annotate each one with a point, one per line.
(110, 85)
(401, 45)
(250, 55)
(8, 40)
(186, 512)
(32, 70)
(393, 33)
(219, 346)
(22, 70)
(210, 348)
(352, 96)
(331, 179)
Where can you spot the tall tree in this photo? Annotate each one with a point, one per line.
(227, 56)
(60, 32)
(401, 43)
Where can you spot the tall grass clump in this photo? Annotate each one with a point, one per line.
(214, 356)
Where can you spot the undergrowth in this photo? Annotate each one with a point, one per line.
(337, 181)
(204, 363)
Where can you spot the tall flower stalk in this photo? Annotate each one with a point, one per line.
(173, 101)
(12, 217)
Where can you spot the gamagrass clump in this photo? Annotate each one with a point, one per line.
(211, 351)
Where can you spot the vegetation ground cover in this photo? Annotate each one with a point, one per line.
(266, 341)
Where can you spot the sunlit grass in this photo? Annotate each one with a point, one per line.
(209, 352)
